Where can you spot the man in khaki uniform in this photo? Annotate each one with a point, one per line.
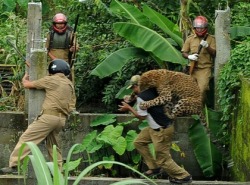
(59, 40)
(57, 105)
(203, 62)
(159, 132)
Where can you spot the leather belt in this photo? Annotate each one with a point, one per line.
(159, 129)
(54, 113)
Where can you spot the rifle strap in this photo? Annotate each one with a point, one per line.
(51, 38)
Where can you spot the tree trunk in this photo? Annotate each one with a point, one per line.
(185, 22)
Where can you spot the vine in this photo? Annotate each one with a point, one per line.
(229, 80)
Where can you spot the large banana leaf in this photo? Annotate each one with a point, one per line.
(237, 31)
(207, 155)
(129, 12)
(117, 60)
(149, 40)
(140, 35)
(164, 23)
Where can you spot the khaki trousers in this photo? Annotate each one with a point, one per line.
(45, 127)
(202, 76)
(162, 141)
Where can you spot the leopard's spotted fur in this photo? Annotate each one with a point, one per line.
(177, 91)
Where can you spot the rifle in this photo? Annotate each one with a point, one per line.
(192, 63)
(71, 61)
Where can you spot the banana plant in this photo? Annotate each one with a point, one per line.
(208, 156)
(241, 31)
(138, 31)
(10, 5)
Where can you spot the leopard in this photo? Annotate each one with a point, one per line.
(178, 92)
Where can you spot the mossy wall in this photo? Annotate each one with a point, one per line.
(240, 139)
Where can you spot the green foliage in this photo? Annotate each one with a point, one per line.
(103, 120)
(240, 22)
(229, 84)
(239, 31)
(97, 39)
(138, 32)
(114, 141)
(11, 91)
(115, 61)
(13, 30)
(38, 163)
(8, 103)
(17, 6)
(136, 66)
(110, 142)
(169, 27)
(208, 155)
(150, 41)
(84, 172)
(229, 80)
(240, 14)
(49, 174)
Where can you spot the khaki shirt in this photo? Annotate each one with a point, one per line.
(60, 54)
(60, 93)
(191, 47)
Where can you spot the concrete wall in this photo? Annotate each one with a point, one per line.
(240, 138)
(14, 123)
(11, 128)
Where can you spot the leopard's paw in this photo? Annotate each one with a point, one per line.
(170, 115)
(143, 106)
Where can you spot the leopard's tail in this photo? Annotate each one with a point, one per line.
(204, 123)
(203, 119)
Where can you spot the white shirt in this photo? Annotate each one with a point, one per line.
(151, 121)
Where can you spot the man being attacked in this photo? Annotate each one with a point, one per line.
(159, 132)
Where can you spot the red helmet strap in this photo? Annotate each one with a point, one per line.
(60, 30)
(201, 33)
